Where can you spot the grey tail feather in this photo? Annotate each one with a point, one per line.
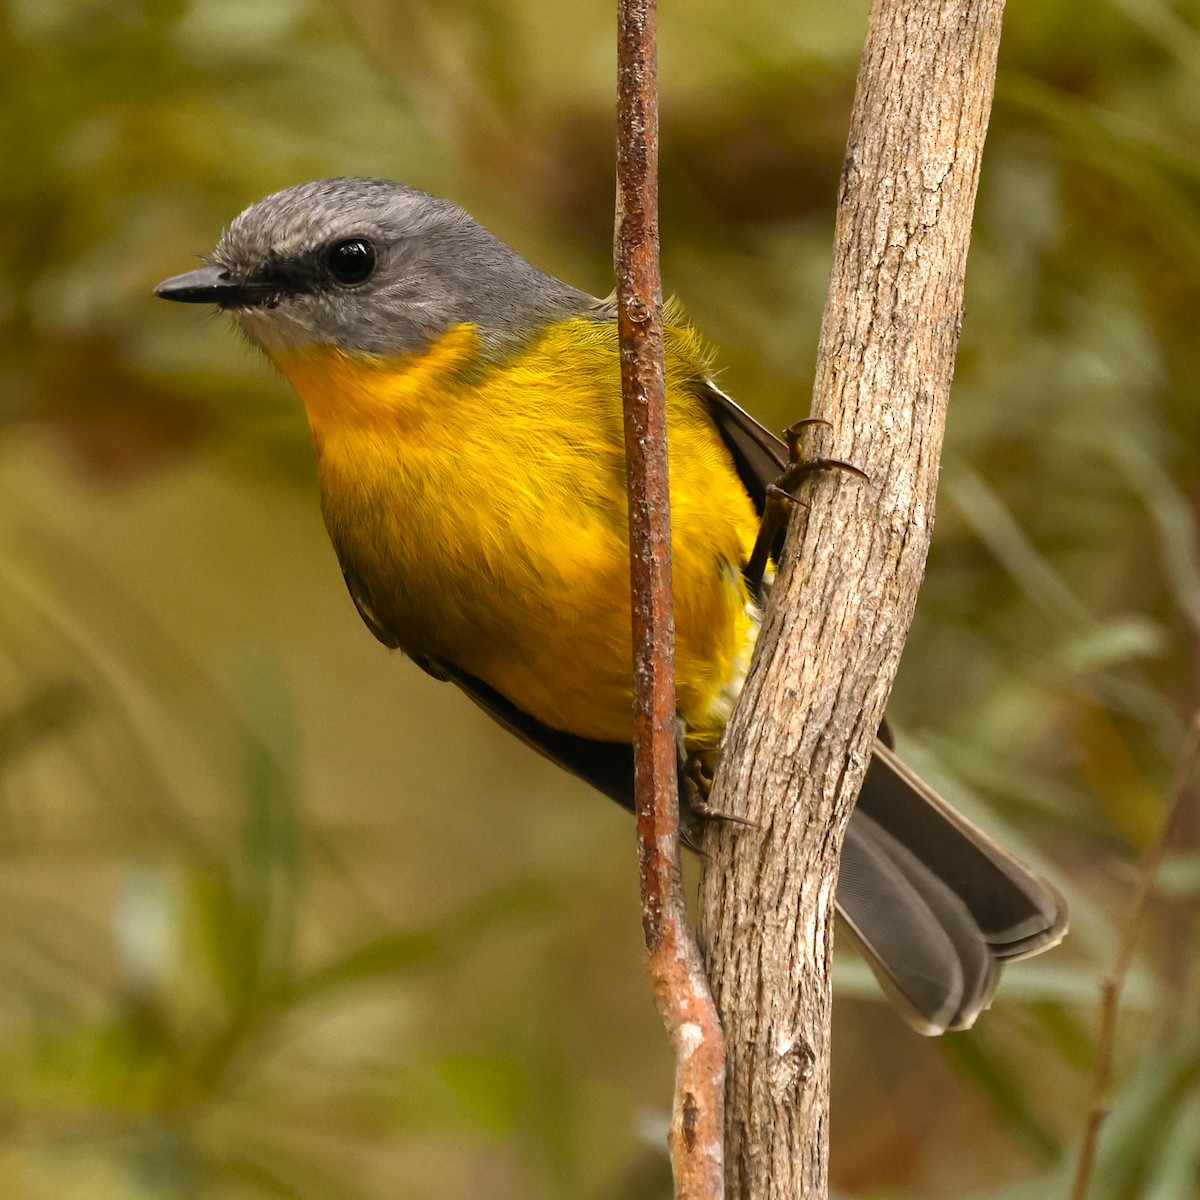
(936, 905)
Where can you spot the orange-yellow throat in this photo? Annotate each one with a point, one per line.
(481, 502)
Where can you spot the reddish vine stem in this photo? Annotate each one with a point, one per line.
(672, 959)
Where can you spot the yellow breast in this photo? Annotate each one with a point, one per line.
(482, 504)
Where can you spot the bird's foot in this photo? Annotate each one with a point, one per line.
(782, 496)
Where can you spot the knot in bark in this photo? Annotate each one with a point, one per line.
(790, 1067)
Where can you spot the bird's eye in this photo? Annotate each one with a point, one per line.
(351, 261)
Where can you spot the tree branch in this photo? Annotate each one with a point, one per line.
(798, 746)
(672, 958)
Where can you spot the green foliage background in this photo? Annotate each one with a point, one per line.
(284, 918)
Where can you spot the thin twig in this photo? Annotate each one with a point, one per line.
(672, 958)
(1114, 981)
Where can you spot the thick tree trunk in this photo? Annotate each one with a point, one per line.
(799, 744)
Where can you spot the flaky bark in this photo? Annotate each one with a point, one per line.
(799, 744)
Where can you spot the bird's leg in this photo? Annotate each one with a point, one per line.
(776, 513)
(781, 496)
(695, 781)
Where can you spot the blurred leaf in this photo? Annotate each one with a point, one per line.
(386, 956)
(1142, 1123)
(1179, 876)
(50, 709)
(1174, 520)
(971, 1055)
(488, 1090)
(1171, 30)
(271, 878)
(1176, 1173)
(405, 950)
(1114, 642)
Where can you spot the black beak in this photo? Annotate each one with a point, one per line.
(213, 285)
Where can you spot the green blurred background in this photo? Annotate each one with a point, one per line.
(284, 918)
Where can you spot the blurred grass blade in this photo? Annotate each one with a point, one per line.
(1142, 1122)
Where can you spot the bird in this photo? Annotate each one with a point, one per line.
(465, 409)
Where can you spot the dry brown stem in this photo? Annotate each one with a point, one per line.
(799, 744)
(1114, 981)
(672, 958)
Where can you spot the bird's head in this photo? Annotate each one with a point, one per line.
(371, 267)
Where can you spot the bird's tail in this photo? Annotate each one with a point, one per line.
(936, 905)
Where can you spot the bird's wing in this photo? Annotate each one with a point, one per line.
(759, 457)
(358, 593)
(607, 766)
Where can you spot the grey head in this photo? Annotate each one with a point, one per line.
(370, 266)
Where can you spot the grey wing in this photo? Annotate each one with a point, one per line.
(607, 766)
(362, 602)
(358, 593)
(759, 457)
